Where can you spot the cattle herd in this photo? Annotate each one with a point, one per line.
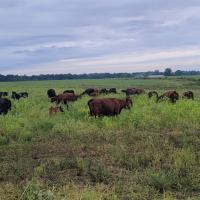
(5, 103)
(108, 106)
(97, 106)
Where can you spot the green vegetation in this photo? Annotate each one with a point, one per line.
(149, 152)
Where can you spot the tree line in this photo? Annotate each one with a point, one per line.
(167, 72)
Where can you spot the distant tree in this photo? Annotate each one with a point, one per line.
(168, 72)
(178, 73)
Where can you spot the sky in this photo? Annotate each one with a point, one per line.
(95, 36)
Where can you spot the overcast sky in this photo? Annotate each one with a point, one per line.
(86, 36)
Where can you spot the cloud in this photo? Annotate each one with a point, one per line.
(40, 33)
(131, 62)
(173, 17)
(54, 45)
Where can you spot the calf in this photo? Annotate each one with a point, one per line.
(5, 106)
(54, 110)
(108, 106)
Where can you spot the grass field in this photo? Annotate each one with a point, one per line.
(149, 152)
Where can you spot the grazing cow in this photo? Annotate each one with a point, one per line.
(94, 94)
(173, 96)
(5, 106)
(188, 95)
(90, 91)
(3, 94)
(23, 94)
(15, 95)
(65, 98)
(51, 93)
(133, 91)
(108, 106)
(54, 110)
(152, 93)
(113, 90)
(69, 91)
(104, 91)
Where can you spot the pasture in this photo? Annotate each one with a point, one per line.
(149, 152)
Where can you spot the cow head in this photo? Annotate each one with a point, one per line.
(174, 97)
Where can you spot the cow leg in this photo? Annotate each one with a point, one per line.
(58, 102)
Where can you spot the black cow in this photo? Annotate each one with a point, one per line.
(23, 94)
(104, 91)
(5, 106)
(3, 94)
(113, 90)
(15, 95)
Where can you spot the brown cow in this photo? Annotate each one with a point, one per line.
(172, 95)
(133, 91)
(54, 110)
(65, 98)
(89, 91)
(108, 106)
(188, 95)
(94, 94)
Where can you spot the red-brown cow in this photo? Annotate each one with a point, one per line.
(173, 96)
(108, 106)
(65, 98)
(89, 91)
(133, 91)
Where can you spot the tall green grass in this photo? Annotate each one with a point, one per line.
(148, 152)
